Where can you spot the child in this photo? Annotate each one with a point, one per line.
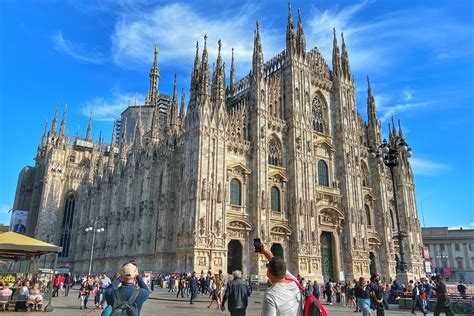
(96, 292)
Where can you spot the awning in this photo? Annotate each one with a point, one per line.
(17, 247)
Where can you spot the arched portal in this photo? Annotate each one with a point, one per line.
(327, 255)
(277, 250)
(373, 268)
(234, 256)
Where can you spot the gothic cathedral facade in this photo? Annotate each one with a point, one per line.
(281, 155)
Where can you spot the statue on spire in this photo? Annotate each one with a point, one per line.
(154, 79)
(89, 127)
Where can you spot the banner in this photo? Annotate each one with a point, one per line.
(426, 253)
(427, 267)
(19, 221)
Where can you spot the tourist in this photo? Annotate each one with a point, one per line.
(202, 283)
(462, 289)
(86, 288)
(213, 290)
(237, 293)
(343, 294)
(316, 289)
(68, 282)
(171, 284)
(362, 294)
(181, 283)
(442, 303)
(5, 295)
(193, 287)
(283, 298)
(427, 292)
(118, 297)
(35, 299)
(337, 292)
(416, 298)
(350, 302)
(376, 294)
(62, 279)
(104, 282)
(220, 287)
(56, 283)
(329, 289)
(249, 285)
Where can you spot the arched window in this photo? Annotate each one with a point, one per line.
(235, 192)
(323, 177)
(319, 117)
(276, 207)
(274, 152)
(66, 228)
(367, 215)
(392, 219)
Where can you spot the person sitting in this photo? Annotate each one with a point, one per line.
(5, 295)
(35, 299)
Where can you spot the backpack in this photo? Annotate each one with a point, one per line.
(328, 286)
(312, 306)
(124, 308)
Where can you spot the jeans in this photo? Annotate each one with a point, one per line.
(67, 287)
(364, 305)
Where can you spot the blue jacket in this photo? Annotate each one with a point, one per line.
(126, 290)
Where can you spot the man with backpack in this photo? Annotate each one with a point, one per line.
(127, 299)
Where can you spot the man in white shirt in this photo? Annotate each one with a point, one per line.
(283, 298)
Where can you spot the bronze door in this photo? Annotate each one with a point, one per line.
(327, 260)
(234, 256)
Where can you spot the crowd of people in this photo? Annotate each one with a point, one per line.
(28, 294)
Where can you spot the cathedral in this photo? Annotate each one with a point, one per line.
(281, 154)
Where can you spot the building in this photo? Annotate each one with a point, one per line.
(281, 154)
(451, 252)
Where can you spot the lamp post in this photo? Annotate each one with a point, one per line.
(389, 155)
(93, 229)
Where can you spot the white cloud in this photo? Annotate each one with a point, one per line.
(176, 27)
(5, 208)
(466, 226)
(108, 109)
(407, 94)
(427, 168)
(75, 50)
(377, 44)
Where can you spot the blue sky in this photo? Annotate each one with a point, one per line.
(96, 55)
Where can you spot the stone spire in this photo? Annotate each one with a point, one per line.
(300, 38)
(154, 79)
(44, 139)
(346, 68)
(393, 132)
(218, 82)
(113, 140)
(89, 127)
(371, 109)
(205, 84)
(257, 61)
(232, 73)
(63, 123)
(195, 76)
(336, 58)
(137, 139)
(400, 132)
(155, 126)
(172, 114)
(123, 139)
(181, 109)
(55, 123)
(290, 33)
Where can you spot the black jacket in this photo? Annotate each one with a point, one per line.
(237, 293)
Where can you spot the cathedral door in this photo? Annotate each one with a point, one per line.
(234, 256)
(277, 250)
(327, 258)
(373, 269)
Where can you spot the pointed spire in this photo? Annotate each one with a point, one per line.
(63, 122)
(154, 79)
(300, 38)
(181, 109)
(174, 106)
(113, 140)
(195, 76)
(371, 109)
(346, 68)
(400, 132)
(44, 139)
(232, 73)
(257, 53)
(137, 142)
(123, 139)
(89, 127)
(290, 33)
(205, 84)
(218, 79)
(393, 131)
(336, 58)
(55, 122)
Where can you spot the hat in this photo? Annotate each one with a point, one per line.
(129, 270)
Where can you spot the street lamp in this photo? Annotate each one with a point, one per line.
(93, 229)
(389, 155)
